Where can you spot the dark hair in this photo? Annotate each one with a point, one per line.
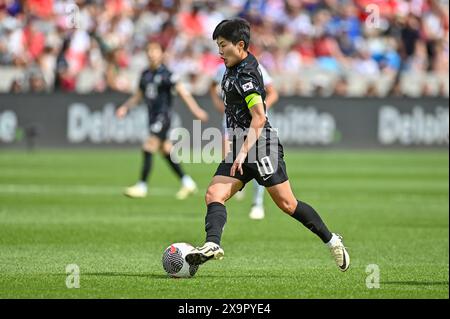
(234, 30)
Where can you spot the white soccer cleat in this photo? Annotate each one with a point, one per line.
(136, 191)
(340, 254)
(257, 212)
(186, 191)
(200, 255)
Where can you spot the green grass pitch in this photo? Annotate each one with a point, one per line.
(65, 207)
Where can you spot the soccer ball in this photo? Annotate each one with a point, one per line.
(174, 261)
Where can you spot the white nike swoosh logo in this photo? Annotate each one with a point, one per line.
(265, 179)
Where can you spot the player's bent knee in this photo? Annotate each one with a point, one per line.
(213, 195)
(166, 148)
(151, 145)
(287, 206)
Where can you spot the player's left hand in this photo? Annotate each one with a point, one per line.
(121, 112)
(237, 165)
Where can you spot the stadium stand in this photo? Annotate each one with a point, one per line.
(311, 47)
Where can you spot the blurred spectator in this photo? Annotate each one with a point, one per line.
(371, 90)
(40, 8)
(36, 82)
(365, 65)
(64, 79)
(115, 80)
(17, 86)
(341, 87)
(192, 22)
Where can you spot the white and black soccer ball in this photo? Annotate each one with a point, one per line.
(174, 261)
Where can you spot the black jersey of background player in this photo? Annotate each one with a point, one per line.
(239, 82)
(156, 87)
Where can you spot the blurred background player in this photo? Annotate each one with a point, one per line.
(257, 210)
(155, 87)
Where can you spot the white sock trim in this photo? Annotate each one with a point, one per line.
(333, 241)
(142, 184)
(187, 181)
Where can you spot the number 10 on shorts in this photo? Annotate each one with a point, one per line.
(265, 166)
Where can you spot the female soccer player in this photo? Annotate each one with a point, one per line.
(155, 87)
(256, 152)
(257, 209)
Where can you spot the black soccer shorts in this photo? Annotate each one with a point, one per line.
(268, 169)
(159, 125)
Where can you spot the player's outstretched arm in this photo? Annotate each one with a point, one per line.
(217, 101)
(191, 103)
(256, 126)
(129, 104)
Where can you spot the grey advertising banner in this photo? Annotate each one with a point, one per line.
(70, 120)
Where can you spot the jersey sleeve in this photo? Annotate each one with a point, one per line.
(174, 78)
(250, 89)
(170, 77)
(219, 74)
(266, 76)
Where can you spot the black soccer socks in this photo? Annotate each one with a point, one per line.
(175, 166)
(215, 220)
(311, 220)
(146, 165)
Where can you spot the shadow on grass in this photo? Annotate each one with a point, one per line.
(163, 276)
(415, 283)
(126, 274)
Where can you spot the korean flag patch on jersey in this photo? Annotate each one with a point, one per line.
(247, 86)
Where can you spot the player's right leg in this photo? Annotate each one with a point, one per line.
(150, 146)
(219, 191)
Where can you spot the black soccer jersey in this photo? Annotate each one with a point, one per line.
(264, 160)
(156, 87)
(238, 83)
